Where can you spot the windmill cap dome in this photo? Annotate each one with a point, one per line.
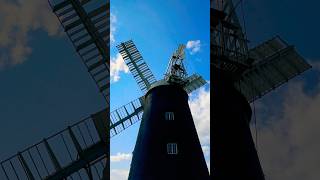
(162, 83)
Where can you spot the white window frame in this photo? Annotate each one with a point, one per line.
(172, 148)
(169, 116)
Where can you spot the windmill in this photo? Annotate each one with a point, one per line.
(241, 76)
(80, 151)
(167, 145)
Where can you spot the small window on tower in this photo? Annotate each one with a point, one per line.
(172, 148)
(169, 116)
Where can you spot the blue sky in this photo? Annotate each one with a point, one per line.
(157, 29)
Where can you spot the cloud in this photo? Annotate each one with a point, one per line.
(117, 66)
(206, 150)
(200, 109)
(289, 144)
(119, 174)
(121, 157)
(194, 46)
(113, 21)
(18, 19)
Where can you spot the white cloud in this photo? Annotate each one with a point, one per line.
(289, 145)
(206, 150)
(18, 19)
(200, 108)
(119, 174)
(113, 21)
(194, 46)
(121, 157)
(117, 66)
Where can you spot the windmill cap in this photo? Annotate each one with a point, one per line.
(162, 83)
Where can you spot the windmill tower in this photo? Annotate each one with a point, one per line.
(240, 76)
(80, 151)
(167, 145)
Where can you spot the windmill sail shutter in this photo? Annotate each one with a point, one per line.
(275, 63)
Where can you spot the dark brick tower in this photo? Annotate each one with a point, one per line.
(233, 153)
(167, 146)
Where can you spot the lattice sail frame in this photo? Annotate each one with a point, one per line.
(137, 66)
(125, 116)
(193, 83)
(275, 63)
(78, 151)
(88, 29)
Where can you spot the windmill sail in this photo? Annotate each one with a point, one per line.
(125, 116)
(137, 66)
(88, 29)
(77, 152)
(275, 63)
(194, 82)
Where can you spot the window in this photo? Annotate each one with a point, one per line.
(172, 148)
(169, 116)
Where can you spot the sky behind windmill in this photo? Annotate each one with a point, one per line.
(44, 86)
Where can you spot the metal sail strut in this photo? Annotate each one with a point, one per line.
(194, 82)
(71, 153)
(275, 63)
(88, 29)
(137, 66)
(125, 116)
